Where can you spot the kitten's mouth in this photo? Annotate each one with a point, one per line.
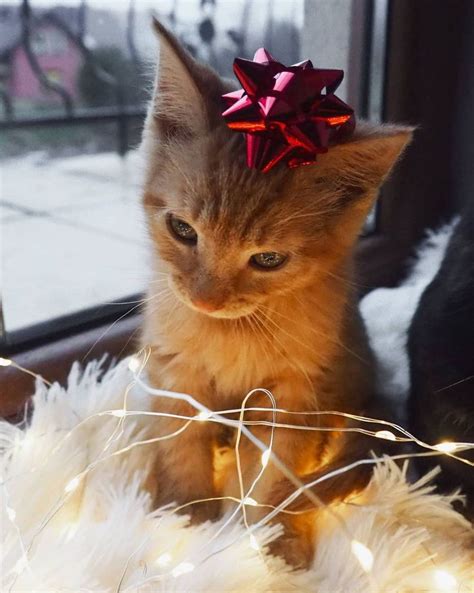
(220, 312)
(211, 310)
(224, 313)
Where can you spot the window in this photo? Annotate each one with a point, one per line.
(73, 238)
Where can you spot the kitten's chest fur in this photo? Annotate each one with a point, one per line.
(302, 343)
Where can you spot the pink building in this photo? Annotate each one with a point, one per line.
(57, 57)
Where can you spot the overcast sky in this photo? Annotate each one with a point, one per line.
(289, 9)
(228, 14)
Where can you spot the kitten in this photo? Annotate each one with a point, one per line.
(252, 289)
(441, 351)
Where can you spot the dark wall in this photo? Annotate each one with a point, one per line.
(430, 84)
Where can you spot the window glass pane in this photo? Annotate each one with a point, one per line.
(72, 234)
(334, 34)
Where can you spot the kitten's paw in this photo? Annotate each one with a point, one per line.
(281, 491)
(295, 549)
(200, 512)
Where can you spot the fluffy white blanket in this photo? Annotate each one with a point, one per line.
(63, 530)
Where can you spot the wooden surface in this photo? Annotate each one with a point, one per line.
(53, 361)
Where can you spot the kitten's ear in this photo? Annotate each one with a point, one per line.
(354, 170)
(362, 163)
(186, 97)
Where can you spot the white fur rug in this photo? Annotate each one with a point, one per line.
(388, 312)
(63, 531)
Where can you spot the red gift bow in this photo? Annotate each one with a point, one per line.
(284, 112)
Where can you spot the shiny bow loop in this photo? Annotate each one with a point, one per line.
(287, 113)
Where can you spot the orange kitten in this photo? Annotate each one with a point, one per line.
(252, 289)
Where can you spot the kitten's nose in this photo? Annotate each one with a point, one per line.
(207, 306)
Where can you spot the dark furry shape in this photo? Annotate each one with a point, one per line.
(441, 350)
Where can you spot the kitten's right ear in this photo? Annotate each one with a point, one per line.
(186, 96)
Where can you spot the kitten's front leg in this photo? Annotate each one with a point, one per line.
(296, 448)
(183, 470)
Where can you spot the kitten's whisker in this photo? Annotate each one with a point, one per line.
(310, 206)
(140, 301)
(172, 309)
(267, 335)
(292, 361)
(317, 215)
(159, 281)
(318, 333)
(160, 274)
(259, 330)
(343, 280)
(239, 329)
(116, 303)
(112, 325)
(251, 326)
(187, 179)
(310, 210)
(454, 384)
(278, 327)
(338, 341)
(130, 338)
(106, 331)
(158, 297)
(134, 333)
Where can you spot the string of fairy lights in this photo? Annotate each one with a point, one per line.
(442, 578)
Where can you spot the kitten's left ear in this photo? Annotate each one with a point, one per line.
(363, 162)
(355, 169)
(187, 95)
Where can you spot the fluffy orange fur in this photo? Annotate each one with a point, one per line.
(218, 327)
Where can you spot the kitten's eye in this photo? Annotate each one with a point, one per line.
(182, 230)
(268, 260)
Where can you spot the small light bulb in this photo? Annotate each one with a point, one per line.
(251, 502)
(446, 447)
(164, 560)
(71, 530)
(119, 413)
(11, 514)
(21, 565)
(5, 362)
(254, 543)
(182, 568)
(266, 457)
(363, 555)
(72, 485)
(203, 416)
(444, 580)
(385, 434)
(134, 364)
